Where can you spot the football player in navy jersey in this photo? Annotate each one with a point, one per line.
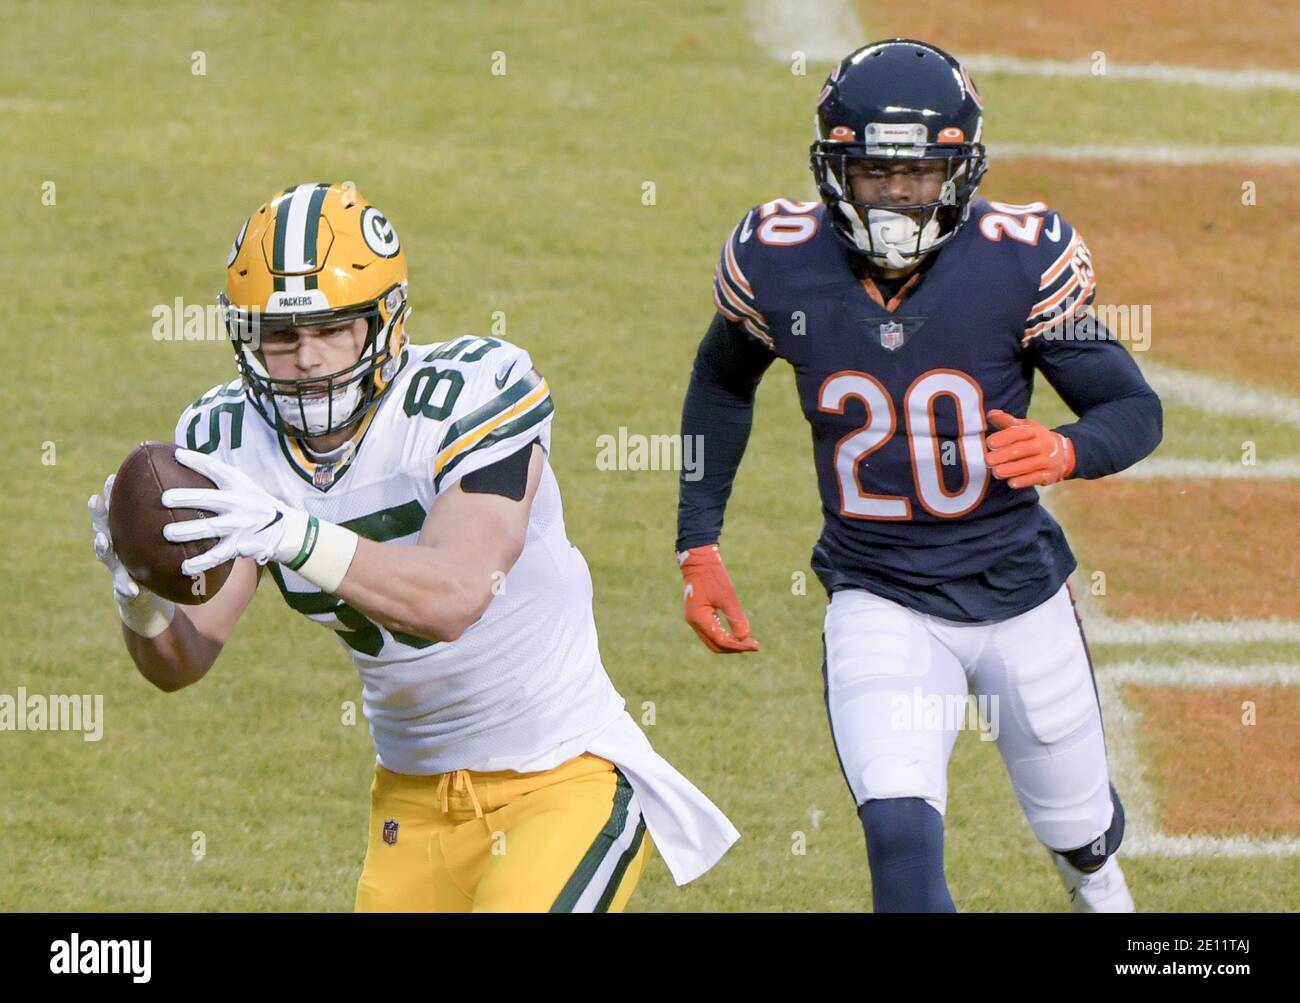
(915, 317)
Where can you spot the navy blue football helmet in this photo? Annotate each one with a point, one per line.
(890, 101)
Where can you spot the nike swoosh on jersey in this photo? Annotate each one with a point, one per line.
(1053, 232)
(745, 231)
(501, 380)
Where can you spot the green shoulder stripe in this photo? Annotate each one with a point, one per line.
(604, 841)
(511, 428)
(501, 402)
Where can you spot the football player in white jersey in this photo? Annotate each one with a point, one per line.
(401, 496)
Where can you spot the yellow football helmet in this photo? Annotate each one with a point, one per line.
(316, 254)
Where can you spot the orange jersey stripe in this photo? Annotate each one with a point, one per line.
(1080, 305)
(762, 336)
(1060, 264)
(737, 304)
(725, 310)
(733, 268)
(1057, 297)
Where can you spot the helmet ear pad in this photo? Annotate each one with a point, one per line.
(392, 319)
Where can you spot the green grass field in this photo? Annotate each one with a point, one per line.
(519, 193)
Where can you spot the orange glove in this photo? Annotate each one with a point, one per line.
(1025, 453)
(708, 590)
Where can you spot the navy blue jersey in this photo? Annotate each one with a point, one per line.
(896, 393)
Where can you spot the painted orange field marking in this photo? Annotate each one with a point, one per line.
(1223, 761)
(1189, 549)
(1174, 740)
(1219, 33)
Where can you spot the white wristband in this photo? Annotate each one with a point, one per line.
(148, 614)
(326, 554)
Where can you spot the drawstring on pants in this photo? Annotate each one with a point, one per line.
(463, 785)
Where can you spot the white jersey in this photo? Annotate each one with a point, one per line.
(523, 688)
(527, 676)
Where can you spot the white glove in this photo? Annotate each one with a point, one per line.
(143, 611)
(251, 522)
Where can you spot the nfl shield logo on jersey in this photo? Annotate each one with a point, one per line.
(323, 476)
(390, 831)
(892, 335)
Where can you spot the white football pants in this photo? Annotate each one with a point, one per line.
(898, 688)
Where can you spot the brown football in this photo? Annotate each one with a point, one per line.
(136, 517)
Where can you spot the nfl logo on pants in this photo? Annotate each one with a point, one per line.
(390, 832)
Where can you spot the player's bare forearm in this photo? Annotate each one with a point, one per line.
(419, 590)
(437, 588)
(183, 653)
(176, 658)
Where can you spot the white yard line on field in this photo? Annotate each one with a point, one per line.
(1217, 396)
(1241, 80)
(1198, 674)
(1177, 468)
(830, 29)
(824, 32)
(1160, 845)
(1101, 629)
(1123, 724)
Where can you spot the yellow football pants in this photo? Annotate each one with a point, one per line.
(569, 839)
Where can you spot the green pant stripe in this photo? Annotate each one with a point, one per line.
(599, 849)
(624, 862)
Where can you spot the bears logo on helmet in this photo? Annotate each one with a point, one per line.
(317, 254)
